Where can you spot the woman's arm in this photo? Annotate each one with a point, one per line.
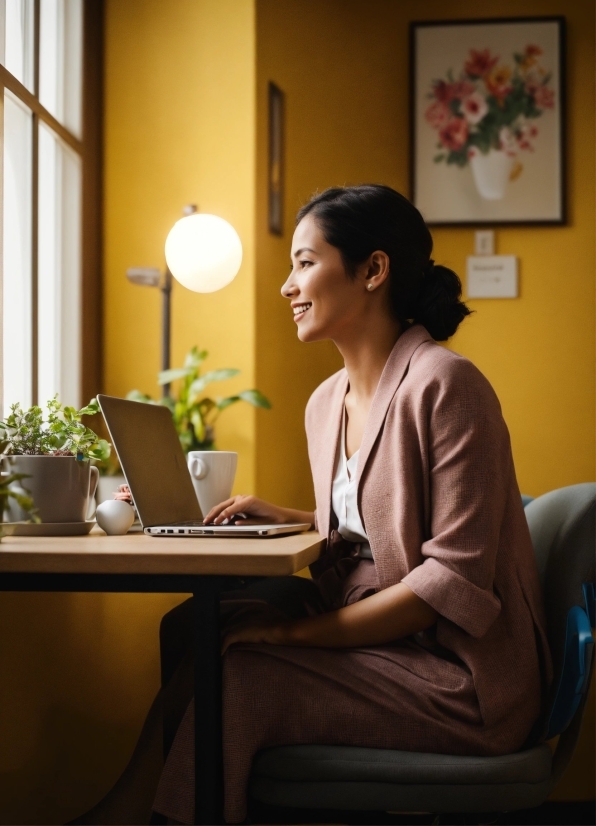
(384, 617)
(257, 511)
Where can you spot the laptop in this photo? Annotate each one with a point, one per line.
(155, 469)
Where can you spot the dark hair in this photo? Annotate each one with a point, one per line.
(359, 220)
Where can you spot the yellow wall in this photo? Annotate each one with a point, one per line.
(179, 129)
(343, 65)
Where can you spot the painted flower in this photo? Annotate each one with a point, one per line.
(437, 114)
(461, 89)
(544, 97)
(454, 134)
(526, 134)
(507, 141)
(474, 107)
(531, 82)
(497, 82)
(441, 91)
(480, 63)
(529, 58)
(446, 92)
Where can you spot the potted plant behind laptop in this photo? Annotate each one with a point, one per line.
(54, 452)
(195, 416)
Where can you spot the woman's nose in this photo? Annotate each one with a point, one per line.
(289, 288)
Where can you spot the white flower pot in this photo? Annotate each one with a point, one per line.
(491, 173)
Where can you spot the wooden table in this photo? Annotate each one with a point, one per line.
(141, 564)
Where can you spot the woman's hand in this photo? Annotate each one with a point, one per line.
(273, 632)
(257, 512)
(123, 494)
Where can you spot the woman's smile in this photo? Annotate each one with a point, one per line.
(300, 309)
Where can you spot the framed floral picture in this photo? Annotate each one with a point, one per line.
(487, 121)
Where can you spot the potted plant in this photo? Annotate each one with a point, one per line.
(55, 454)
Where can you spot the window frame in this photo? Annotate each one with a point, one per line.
(90, 150)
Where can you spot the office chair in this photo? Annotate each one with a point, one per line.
(562, 526)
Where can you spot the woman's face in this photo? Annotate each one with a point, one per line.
(326, 303)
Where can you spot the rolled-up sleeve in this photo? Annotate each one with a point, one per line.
(470, 468)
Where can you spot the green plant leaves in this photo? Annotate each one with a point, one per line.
(195, 415)
(256, 398)
(63, 433)
(200, 383)
(195, 357)
(168, 376)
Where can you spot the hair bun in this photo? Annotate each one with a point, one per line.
(439, 307)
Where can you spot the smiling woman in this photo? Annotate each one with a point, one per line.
(422, 628)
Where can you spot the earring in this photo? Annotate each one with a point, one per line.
(370, 286)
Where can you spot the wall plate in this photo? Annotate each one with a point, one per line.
(492, 276)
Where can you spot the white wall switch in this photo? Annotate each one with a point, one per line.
(484, 242)
(492, 276)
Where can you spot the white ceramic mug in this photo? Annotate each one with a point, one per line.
(212, 473)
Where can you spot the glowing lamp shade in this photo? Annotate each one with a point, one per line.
(203, 252)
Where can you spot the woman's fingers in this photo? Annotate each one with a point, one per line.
(215, 511)
(255, 510)
(237, 504)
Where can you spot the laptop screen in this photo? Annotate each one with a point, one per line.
(152, 460)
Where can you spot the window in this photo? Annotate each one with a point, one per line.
(50, 56)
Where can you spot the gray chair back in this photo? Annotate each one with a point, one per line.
(563, 528)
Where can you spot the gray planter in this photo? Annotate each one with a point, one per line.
(61, 486)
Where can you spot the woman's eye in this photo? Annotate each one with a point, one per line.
(305, 263)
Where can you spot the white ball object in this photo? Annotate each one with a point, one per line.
(203, 252)
(115, 517)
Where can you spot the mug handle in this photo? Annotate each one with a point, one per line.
(93, 472)
(198, 468)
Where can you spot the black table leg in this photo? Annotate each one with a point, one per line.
(208, 729)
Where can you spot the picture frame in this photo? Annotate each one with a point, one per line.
(275, 187)
(487, 121)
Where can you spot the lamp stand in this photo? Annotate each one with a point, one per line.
(166, 296)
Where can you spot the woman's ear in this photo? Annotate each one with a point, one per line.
(376, 270)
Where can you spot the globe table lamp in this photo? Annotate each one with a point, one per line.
(204, 253)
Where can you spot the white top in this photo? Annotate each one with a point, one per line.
(344, 496)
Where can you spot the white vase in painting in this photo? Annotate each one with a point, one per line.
(491, 173)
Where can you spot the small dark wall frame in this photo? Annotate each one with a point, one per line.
(276, 159)
(488, 121)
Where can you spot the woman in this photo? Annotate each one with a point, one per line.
(424, 629)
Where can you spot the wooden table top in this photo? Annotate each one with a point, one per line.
(140, 554)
